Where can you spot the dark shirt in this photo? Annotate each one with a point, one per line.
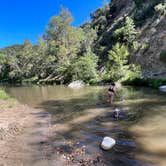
(111, 89)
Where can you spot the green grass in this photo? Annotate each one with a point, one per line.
(4, 95)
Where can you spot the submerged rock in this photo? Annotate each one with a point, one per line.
(162, 88)
(76, 84)
(118, 114)
(107, 143)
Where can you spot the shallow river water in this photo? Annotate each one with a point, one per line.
(83, 117)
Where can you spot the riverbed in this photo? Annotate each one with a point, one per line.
(81, 118)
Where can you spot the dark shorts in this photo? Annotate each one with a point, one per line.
(110, 94)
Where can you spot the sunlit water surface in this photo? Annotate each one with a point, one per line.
(85, 116)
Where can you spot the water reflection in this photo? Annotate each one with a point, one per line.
(84, 116)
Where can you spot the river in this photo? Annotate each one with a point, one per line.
(84, 117)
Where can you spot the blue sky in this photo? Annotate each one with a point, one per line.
(27, 19)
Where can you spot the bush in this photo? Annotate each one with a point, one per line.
(133, 72)
(117, 65)
(163, 56)
(153, 83)
(127, 33)
(160, 8)
(85, 68)
(3, 95)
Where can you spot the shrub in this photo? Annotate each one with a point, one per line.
(160, 8)
(153, 83)
(85, 68)
(118, 66)
(127, 33)
(3, 95)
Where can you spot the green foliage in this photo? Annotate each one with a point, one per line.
(3, 58)
(136, 45)
(134, 71)
(90, 35)
(119, 54)
(161, 8)
(3, 95)
(56, 29)
(99, 18)
(66, 53)
(127, 33)
(153, 83)
(85, 68)
(52, 59)
(146, 10)
(118, 65)
(163, 56)
(144, 47)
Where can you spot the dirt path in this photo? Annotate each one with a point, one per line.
(25, 140)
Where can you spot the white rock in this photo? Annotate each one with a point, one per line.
(117, 110)
(108, 143)
(76, 84)
(118, 85)
(163, 88)
(116, 113)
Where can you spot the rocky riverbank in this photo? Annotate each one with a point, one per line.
(22, 131)
(27, 138)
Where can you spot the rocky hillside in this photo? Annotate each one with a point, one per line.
(149, 47)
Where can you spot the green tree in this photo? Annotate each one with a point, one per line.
(118, 65)
(118, 58)
(127, 33)
(64, 44)
(90, 35)
(85, 68)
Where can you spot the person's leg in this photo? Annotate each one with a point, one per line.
(112, 98)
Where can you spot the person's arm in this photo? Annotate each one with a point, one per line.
(115, 91)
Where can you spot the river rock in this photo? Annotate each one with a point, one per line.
(76, 84)
(118, 114)
(107, 143)
(118, 85)
(162, 88)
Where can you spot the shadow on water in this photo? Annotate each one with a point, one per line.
(82, 118)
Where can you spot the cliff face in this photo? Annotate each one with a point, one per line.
(150, 22)
(153, 34)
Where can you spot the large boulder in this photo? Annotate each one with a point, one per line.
(76, 84)
(163, 88)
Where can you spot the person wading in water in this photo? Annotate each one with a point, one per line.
(111, 92)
